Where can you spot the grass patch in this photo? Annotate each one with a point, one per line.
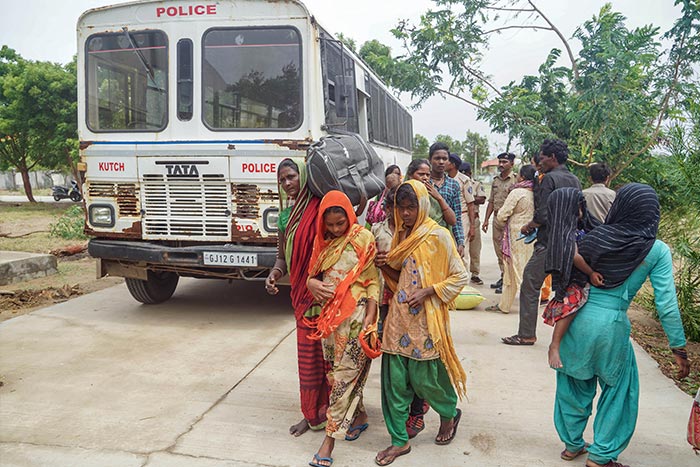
(35, 192)
(22, 218)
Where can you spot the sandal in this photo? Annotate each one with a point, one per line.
(496, 308)
(455, 424)
(516, 340)
(569, 456)
(414, 425)
(318, 459)
(356, 432)
(388, 460)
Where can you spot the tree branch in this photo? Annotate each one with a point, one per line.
(457, 96)
(519, 27)
(574, 68)
(522, 10)
(478, 76)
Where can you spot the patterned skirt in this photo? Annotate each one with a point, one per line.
(575, 297)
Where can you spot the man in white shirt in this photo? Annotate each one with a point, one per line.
(599, 198)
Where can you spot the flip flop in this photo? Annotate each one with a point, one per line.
(516, 340)
(392, 459)
(357, 430)
(455, 424)
(572, 456)
(317, 459)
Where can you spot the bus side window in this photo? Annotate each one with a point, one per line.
(340, 96)
(185, 83)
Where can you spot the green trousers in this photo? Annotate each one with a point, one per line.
(403, 377)
(616, 413)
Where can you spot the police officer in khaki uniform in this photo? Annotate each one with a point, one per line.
(467, 200)
(499, 192)
(476, 189)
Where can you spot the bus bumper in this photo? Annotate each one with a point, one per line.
(134, 258)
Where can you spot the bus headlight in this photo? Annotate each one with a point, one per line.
(270, 218)
(101, 215)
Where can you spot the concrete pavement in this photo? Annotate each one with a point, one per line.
(209, 379)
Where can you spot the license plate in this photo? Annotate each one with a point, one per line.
(230, 259)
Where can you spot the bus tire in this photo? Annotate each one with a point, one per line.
(159, 287)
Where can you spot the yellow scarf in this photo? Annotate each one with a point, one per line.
(432, 257)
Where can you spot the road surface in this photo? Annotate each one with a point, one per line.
(209, 379)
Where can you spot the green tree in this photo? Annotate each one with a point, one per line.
(420, 146)
(477, 145)
(609, 102)
(38, 115)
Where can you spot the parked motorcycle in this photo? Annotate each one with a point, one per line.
(61, 192)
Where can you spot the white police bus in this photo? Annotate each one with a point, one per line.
(185, 109)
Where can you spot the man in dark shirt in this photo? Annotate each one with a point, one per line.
(553, 156)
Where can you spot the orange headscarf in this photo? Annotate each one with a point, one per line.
(327, 252)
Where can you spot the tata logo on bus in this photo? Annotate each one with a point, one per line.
(190, 10)
(182, 170)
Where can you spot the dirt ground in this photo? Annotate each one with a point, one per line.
(77, 276)
(29, 224)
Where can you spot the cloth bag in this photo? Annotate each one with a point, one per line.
(694, 424)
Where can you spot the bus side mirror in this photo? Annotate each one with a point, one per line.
(344, 98)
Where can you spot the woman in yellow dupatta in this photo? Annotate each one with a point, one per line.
(426, 274)
(344, 279)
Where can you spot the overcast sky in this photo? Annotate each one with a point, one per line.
(45, 30)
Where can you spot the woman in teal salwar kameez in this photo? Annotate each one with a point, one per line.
(597, 350)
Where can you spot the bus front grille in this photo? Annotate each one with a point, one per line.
(186, 208)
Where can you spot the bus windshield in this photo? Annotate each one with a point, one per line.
(251, 78)
(127, 81)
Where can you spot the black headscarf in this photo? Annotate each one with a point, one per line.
(616, 248)
(564, 206)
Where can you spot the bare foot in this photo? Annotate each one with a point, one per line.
(300, 428)
(388, 455)
(554, 359)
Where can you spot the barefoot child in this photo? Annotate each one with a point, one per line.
(568, 221)
(344, 279)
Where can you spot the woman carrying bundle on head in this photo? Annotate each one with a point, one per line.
(296, 232)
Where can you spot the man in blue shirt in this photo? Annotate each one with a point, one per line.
(439, 154)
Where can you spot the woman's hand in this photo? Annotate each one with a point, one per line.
(418, 296)
(370, 314)
(271, 282)
(596, 279)
(380, 259)
(321, 291)
(683, 366)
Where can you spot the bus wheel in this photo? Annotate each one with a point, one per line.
(159, 287)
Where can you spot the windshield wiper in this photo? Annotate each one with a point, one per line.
(146, 65)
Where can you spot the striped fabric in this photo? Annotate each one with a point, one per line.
(564, 205)
(616, 248)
